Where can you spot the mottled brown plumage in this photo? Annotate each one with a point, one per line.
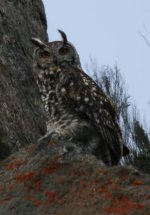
(75, 106)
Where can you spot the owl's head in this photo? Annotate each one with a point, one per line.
(55, 53)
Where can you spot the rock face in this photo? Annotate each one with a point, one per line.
(45, 179)
(21, 117)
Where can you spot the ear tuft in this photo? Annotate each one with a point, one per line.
(64, 37)
(38, 42)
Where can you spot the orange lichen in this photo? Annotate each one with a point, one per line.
(61, 180)
(122, 205)
(137, 182)
(83, 183)
(148, 196)
(60, 213)
(116, 187)
(111, 181)
(51, 196)
(24, 177)
(52, 167)
(36, 202)
(14, 165)
(1, 188)
(123, 179)
(101, 171)
(63, 202)
(105, 193)
(37, 184)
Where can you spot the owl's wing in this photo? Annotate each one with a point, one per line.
(83, 95)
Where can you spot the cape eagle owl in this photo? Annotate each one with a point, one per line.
(75, 105)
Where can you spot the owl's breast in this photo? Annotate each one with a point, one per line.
(60, 116)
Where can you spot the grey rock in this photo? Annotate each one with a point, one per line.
(21, 113)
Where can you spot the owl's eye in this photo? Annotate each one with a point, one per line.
(44, 54)
(63, 50)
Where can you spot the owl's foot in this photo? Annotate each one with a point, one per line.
(48, 136)
(45, 140)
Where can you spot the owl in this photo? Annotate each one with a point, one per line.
(75, 106)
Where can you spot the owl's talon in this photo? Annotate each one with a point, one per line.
(48, 136)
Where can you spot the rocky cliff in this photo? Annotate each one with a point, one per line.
(21, 117)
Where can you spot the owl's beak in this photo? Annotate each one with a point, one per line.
(64, 37)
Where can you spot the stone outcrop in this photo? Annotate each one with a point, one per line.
(45, 179)
(21, 117)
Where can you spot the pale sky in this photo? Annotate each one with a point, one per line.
(108, 31)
